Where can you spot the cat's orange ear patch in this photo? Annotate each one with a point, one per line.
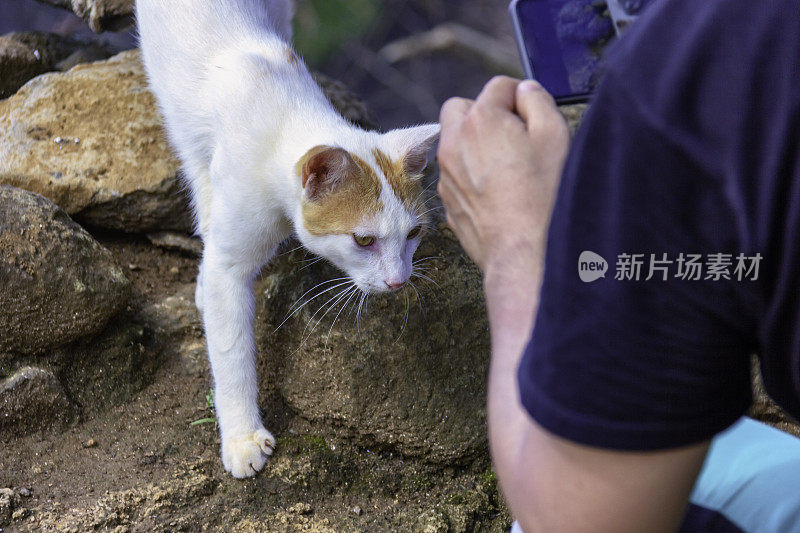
(340, 190)
(323, 169)
(403, 176)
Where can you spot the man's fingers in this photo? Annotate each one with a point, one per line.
(499, 92)
(453, 111)
(532, 101)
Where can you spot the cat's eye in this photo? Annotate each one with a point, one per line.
(363, 240)
(414, 233)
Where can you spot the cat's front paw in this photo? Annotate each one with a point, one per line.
(244, 455)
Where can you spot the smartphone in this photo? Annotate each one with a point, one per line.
(561, 42)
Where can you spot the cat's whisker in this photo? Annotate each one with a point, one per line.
(314, 261)
(342, 295)
(358, 311)
(419, 296)
(316, 286)
(290, 251)
(425, 269)
(430, 210)
(423, 276)
(426, 258)
(336, 299)
(405, 319)
(296, 308)
(344, 306)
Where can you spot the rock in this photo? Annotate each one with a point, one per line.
(91, 140)
(85, 54)
(56, 282)
(174, 319)
(8, 500)
(100, 15)
(764, 408)
(24, 55)
(415, 383)
(431, 521)
(31, 400)
(18, 64)
(573, 114)
(112, 366)
(171, 240)
(120, 510)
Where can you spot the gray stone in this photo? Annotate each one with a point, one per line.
(170, 240)
(8, 500)
(56, 282)
(414, 383)
(24, 55)
(32, 399)
(100, 15)
(110, 367)
(91, 140)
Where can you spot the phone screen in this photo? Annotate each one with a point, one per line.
(562, 41)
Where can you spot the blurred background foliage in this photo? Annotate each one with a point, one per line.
(322, 26)
(404, 58)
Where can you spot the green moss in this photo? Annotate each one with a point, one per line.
(489, 479)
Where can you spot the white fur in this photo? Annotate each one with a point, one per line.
(240, 115)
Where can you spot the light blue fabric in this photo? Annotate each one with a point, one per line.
(752, 477)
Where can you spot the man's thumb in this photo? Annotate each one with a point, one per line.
(533, 100)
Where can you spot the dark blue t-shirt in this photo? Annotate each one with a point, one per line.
(685, 178)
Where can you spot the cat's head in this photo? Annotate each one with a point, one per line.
(363, 207)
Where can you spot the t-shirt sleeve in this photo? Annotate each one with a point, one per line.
(655, 354)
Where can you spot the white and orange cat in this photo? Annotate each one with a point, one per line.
(266, 157)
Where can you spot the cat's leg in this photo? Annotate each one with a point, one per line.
(228, 309)
(240, 239)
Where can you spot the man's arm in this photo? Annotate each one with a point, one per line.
(501, 159)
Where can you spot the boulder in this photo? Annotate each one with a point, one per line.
(91, 140)
(32, 399)
(24, 55)
(56, 282)
(407, 374)
(100, 15)
(20, 62)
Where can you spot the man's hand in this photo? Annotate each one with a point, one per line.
(500, 159)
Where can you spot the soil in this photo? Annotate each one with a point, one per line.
(143, 466)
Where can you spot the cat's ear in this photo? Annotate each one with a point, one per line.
(323, 169)
(412, 145)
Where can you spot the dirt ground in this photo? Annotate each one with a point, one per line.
(142, 465)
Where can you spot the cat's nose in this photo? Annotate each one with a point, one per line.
(394, 285)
